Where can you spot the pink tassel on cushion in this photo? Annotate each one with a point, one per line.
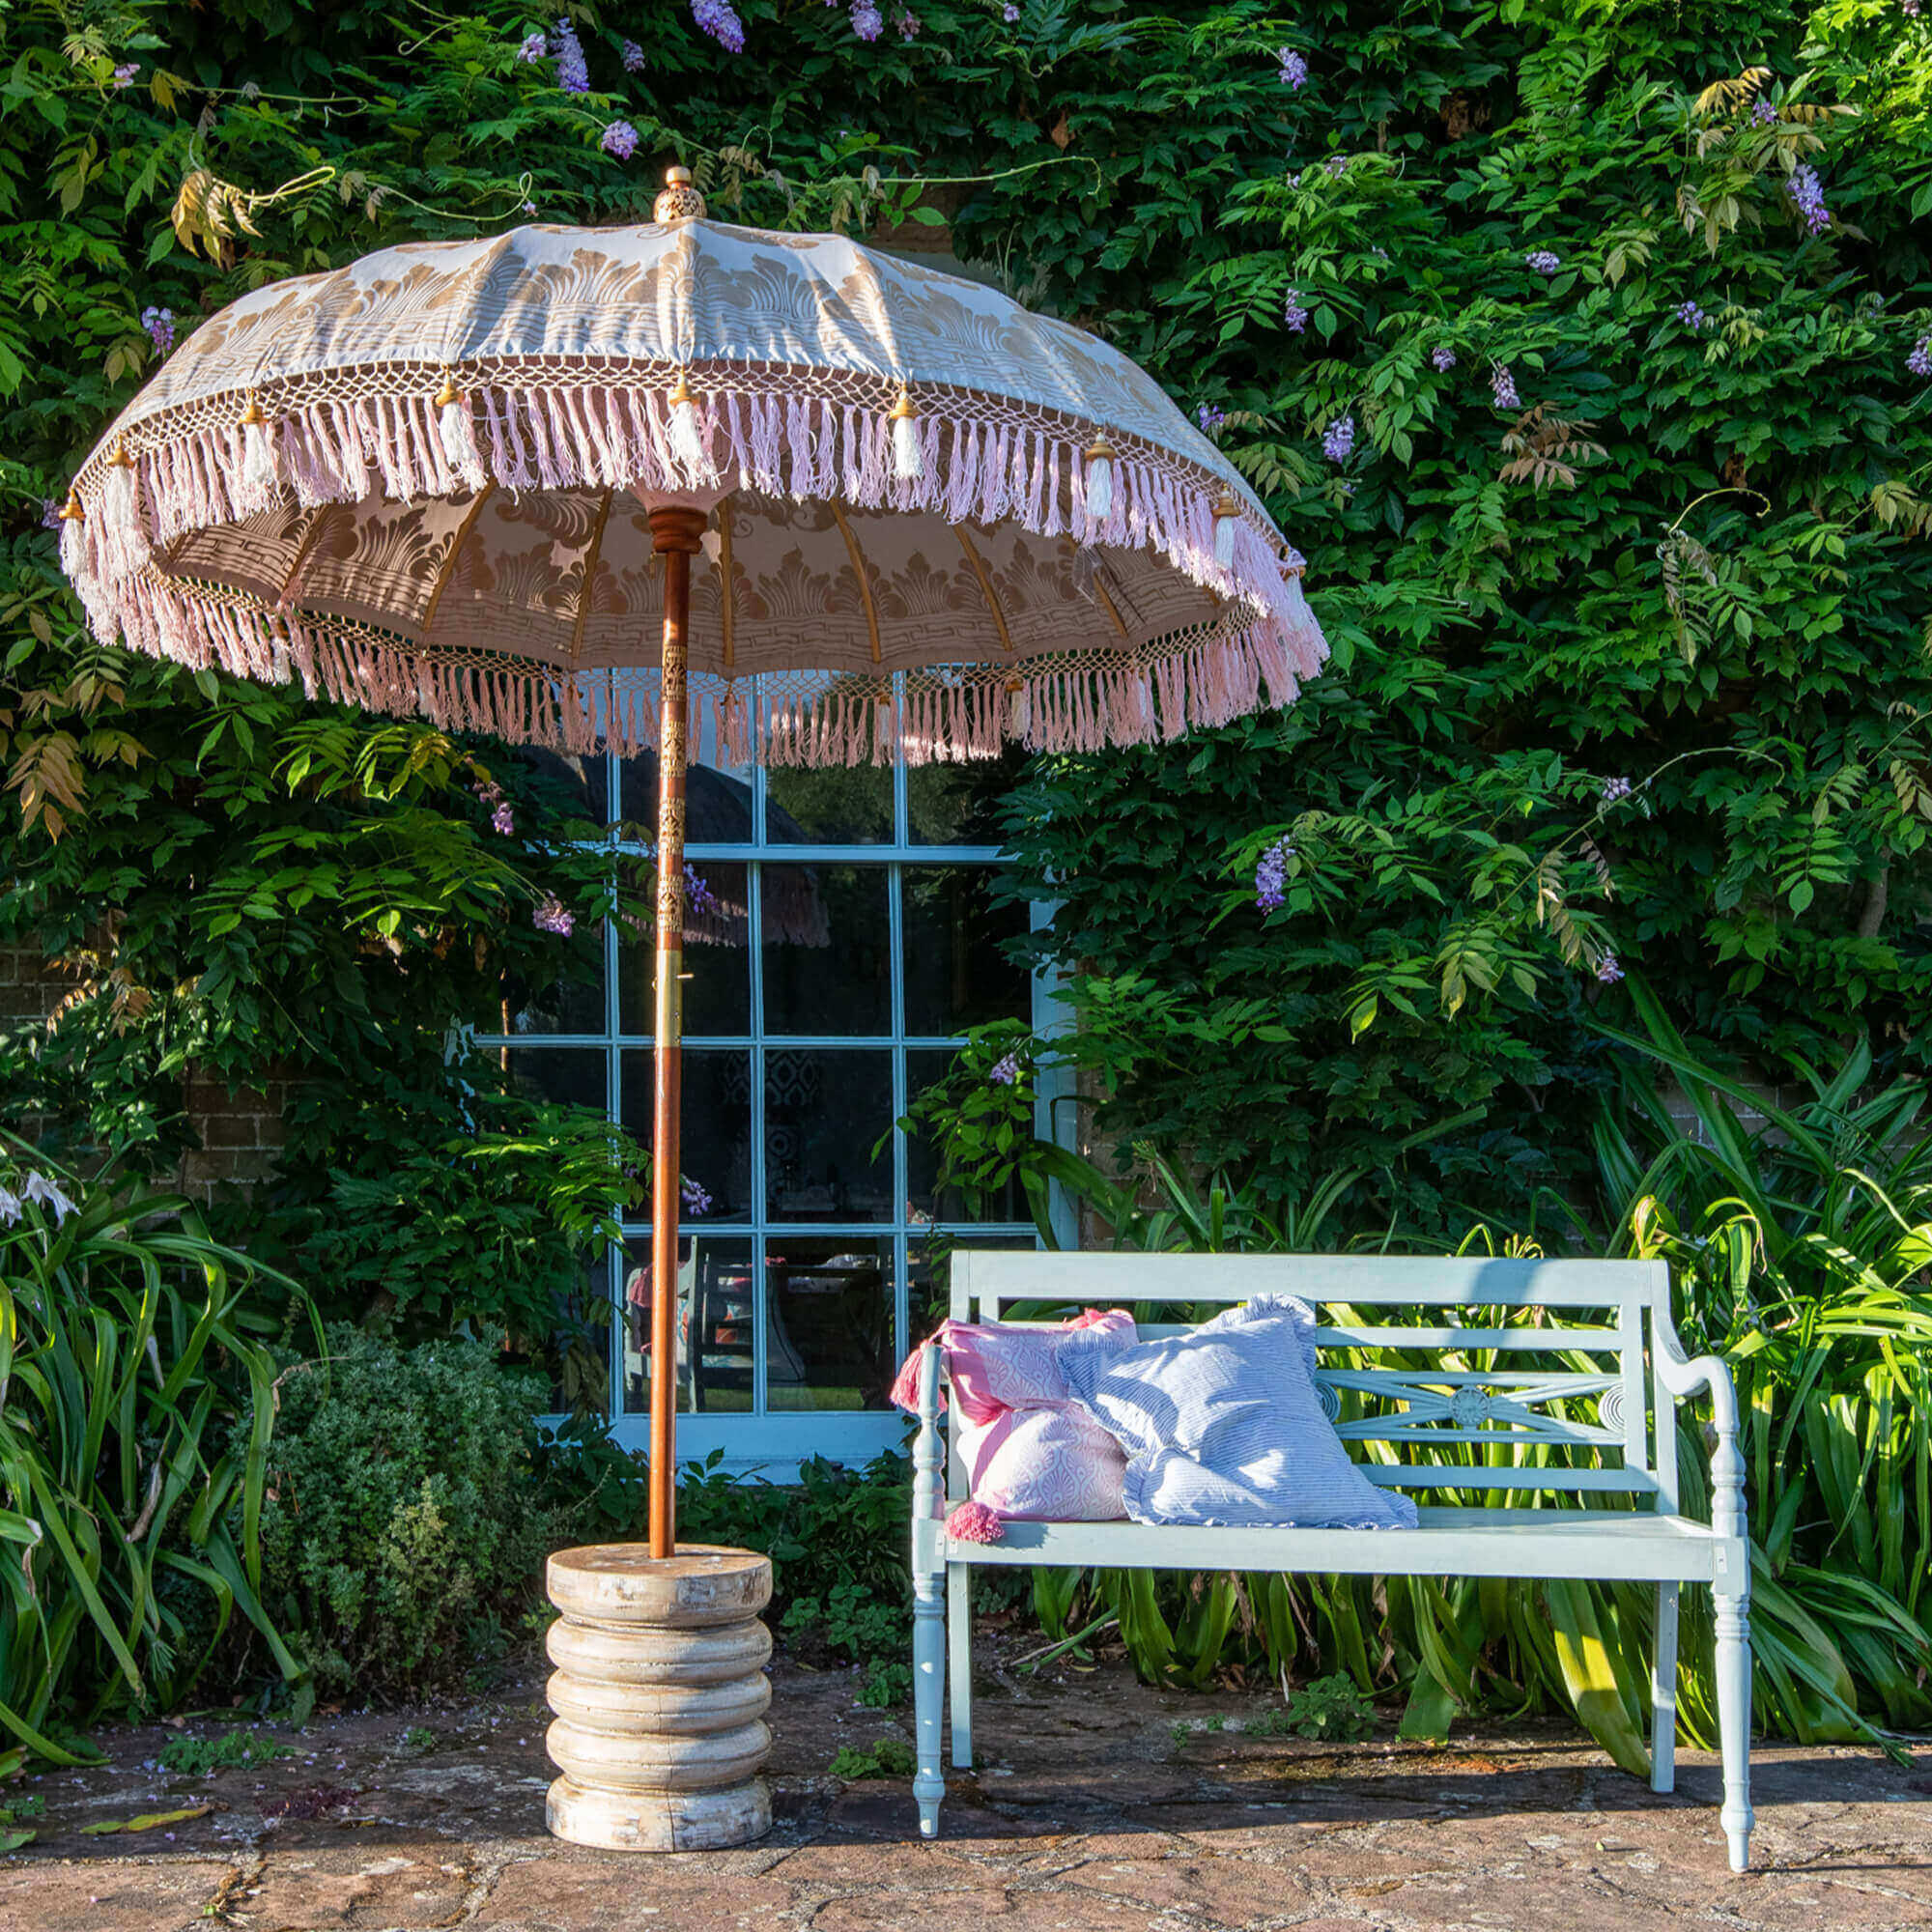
(974, 1522)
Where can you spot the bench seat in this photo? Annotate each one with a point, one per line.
(1594, 1544)
(1538, 1388)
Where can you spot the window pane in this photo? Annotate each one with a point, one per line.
(927, 1067)
(829, 805)
(827, 949)
(959, 804)
(585, 780)
(824, 1112)
(716, 960)
(956, 973)
(929, 1275)
(830, 1342)
(715, 1323)
(571, 1074)
(572, 1007)
(716, 1122)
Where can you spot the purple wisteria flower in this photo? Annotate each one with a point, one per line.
(619, 138)
(1442, 360)
(1338, 440)
(1692, 316)
(1908, 8)
(50, 513)
(1807, 198)
(1211, 417)
(1763, 113)
(1271, 875)
(503, 820)
(1503, 386)
(693, 1198)
(1615, 789)
(632, 55)
(159, 322)
(553, 915)
(907, 23)
(697, 893)
(1336, 166)
(720, 19)
(529, 208)
(1920, 361)
(1009, 12)
(1609, 972)
(126, 74)
(868, 22)
(533, 49)
(1544, 261)
(1293, 312)
(1293, 68)
(572, 74)
(1004, 1071)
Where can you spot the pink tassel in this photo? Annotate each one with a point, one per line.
(974, 1522)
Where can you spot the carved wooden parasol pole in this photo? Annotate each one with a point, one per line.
(675, 534)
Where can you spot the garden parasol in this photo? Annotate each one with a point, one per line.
(470, 481)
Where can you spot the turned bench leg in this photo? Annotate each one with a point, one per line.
(1734, 1718)
(959, 1662)
(1663, 1692)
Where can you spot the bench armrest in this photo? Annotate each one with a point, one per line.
(1681, 1376)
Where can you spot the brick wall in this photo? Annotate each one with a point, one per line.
(241, 1129)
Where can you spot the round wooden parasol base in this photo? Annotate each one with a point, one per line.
(660, 1697)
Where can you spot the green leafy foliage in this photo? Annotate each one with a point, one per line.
(404, 1514)
(132, 1480)
(886, 1757)
(238, 1746)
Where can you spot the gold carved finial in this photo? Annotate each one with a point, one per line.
(253, 415)
(677, 200)
(118, 457)
(72, 511)
(449, 392)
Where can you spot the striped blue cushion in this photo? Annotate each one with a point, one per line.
(1224, 1425)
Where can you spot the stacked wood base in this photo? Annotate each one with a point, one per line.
(660, 1696)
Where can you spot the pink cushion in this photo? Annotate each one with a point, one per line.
(1045, 1465)
(1030, 1452)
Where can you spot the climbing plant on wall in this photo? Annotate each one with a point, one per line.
(1583, 354)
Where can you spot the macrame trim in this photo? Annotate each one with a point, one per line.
(554, 423)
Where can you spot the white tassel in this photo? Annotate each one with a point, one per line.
(1100, 482)
(260, 483)
(1227, 513)
(687, 445)
(908, 461)
(458, 436)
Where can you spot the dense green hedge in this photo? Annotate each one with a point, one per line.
(1691, 555)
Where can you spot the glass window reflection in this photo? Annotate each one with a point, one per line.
(831, 1342)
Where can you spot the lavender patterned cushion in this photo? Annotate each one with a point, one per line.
(1224, 1425)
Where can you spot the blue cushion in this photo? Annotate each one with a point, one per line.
(1224, 1425)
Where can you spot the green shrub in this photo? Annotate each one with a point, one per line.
(404, 1517)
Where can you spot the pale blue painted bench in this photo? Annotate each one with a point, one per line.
(1613, 1315)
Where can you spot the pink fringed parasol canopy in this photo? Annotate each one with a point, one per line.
(573, 486)
(422, 483)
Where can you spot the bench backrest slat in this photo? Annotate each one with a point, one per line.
(1589, 1390)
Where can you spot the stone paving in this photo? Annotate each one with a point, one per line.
(1089, 1814)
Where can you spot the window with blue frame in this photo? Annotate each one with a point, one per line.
(845, 938)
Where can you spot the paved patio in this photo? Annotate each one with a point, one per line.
(1089, 1816)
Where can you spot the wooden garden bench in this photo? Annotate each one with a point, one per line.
(1602, 1338)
